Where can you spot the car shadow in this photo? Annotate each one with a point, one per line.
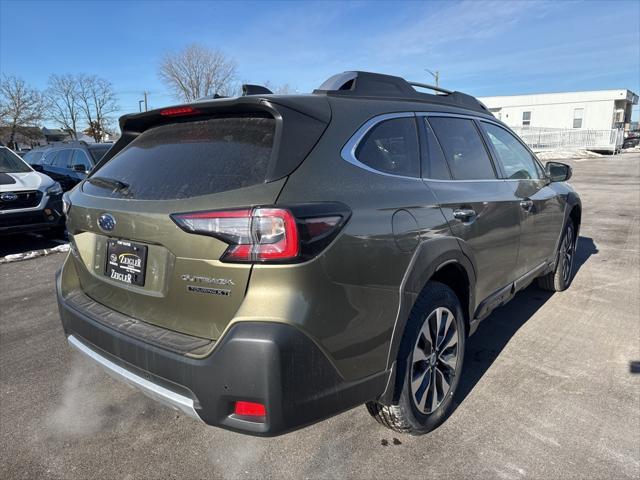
(495, 331)
(23, 243)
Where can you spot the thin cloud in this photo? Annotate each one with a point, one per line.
(455, 22)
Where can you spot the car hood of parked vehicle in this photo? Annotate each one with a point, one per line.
(16, 182)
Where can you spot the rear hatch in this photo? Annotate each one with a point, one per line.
(132, 257)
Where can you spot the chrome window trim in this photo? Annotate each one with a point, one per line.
(348, 152)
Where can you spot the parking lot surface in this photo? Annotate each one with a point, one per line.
(551, 387)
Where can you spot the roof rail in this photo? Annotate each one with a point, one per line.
(368, 84)
(431, 87)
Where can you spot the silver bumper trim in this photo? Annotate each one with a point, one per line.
(152, 390)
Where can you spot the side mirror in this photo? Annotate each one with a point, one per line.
(37, 167)
(79, 168)
(558, 172)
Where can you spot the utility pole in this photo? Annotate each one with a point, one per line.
(435, 75)
(145, 101)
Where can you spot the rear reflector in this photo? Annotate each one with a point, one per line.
(179, 111)
(250, 409)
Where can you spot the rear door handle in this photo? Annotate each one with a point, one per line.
(465, 214)
(526, 204)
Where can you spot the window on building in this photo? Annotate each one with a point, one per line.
(463, 148)
(578, 113)
(526, 119)
(392, 147)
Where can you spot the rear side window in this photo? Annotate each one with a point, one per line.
(63, 159)
(516, 160)
(391, 147)
(463, 148)
(188, 159)
(49, 157)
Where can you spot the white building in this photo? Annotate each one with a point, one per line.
(585, 120)
(595, 110)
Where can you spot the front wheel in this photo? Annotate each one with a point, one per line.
(560, 278)
(430, 363)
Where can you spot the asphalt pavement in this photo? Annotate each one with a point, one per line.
(551, 387)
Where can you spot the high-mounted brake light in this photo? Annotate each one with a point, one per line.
(179, 111)
(254, 235)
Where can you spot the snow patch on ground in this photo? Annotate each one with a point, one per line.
(566, 154)
(16, 257)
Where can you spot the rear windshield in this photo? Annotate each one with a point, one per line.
(188, 159)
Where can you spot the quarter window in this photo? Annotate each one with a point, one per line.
(434, 165)
(463, 148)
(391, 147)
(515, 159)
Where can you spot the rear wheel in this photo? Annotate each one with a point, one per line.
(430, 362)
(560, 278)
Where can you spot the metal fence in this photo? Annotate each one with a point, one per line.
(539, 138)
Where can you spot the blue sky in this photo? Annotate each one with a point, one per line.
(483, 48)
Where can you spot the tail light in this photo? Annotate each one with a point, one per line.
(267, 234)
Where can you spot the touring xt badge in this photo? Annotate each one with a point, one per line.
(208, 281)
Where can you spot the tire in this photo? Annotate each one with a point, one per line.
(561, 277)
(424, 406)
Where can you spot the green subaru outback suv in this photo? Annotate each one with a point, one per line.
(267, 261)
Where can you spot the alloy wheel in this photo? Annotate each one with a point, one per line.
(434, 360)
(567, 253)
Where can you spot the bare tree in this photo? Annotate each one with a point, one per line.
(21, 106)
(97, 101)
(283, 89)
(63, 102)
(198, 71)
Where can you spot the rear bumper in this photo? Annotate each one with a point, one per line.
(33, 220)
(270, 363)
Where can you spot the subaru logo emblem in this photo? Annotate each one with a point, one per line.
(8, 197)
(106, 222)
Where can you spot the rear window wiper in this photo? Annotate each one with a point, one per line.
(105, 182)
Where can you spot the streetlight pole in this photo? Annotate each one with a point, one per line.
(140, 102)
(435, 75)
